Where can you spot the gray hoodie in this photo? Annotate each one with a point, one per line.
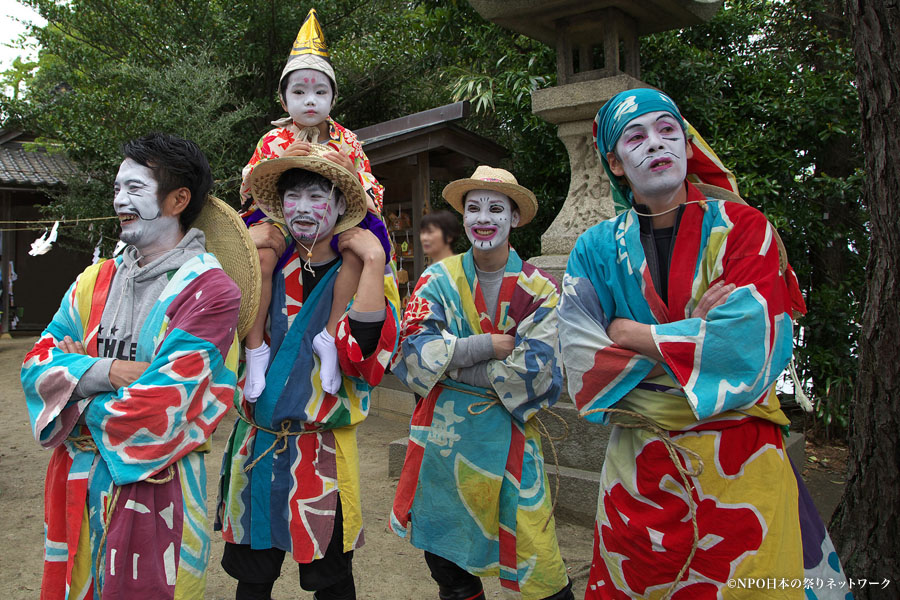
(133, 293)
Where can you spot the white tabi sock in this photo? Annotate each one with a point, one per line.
(257, 362)
(329, 367)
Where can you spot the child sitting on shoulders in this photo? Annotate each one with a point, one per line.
(308, 90)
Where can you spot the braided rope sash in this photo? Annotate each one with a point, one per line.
(281, 435)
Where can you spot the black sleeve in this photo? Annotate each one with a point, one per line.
(366, 334)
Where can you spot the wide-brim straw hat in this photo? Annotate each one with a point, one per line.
(265, 175)
(498, 180)
(229, 240)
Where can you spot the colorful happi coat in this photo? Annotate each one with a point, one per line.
(275, 142)
(279, 490)
(716, 399)
(145, 463)
(473, 488)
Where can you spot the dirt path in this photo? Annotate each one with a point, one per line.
(386, 568)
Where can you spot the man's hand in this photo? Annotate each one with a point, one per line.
(503, 345)
(266, 235)
(341, 159)
(362, 243)
(123, 373)
(714, 296)
(70, 346)
(298, 149)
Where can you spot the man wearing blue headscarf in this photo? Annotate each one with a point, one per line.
(677, 321)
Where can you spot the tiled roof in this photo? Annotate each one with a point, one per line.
(27, 168)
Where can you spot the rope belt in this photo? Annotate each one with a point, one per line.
(479, 408)
(280, 436)
(85, 443)
(650, 426)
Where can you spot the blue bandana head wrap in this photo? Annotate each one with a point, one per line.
(611, 121)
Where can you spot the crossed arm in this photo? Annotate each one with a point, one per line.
(122, 373)
(637, 337)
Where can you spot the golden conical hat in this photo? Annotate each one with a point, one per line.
(310, 52)
(310, 39)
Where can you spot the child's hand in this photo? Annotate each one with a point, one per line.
(362, 243)
(298, 148)
(266, 235)
(341, 159)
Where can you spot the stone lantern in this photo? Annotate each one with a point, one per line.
(597, 56)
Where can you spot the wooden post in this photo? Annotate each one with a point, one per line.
(611, 32)
(564, 59)
(6, 251)
(421, 193)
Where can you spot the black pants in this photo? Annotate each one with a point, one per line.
(330, 577)
(455, 583)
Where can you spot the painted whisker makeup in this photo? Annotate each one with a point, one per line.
(653, 155)
(488, 217)
(136, 195)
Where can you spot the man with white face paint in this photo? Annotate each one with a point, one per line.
(479, 343)
(677, 321)
(290, 478)
(128, 382)
(308, 91)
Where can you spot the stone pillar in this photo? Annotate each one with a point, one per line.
(572, 108)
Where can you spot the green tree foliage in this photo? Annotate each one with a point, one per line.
(113, 69)
(769, 84)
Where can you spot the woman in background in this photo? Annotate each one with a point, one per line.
(438, 232)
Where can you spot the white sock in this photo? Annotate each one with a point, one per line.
(257, 362)
(329, 367)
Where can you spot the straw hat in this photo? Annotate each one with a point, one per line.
(498, 180)
(229, 240)
(265, 175)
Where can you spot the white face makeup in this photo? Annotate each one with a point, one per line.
(308, 97)
(652, 154)
(137, 205)
(312, 211)
(488, 216)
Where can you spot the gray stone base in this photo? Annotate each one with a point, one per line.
(392, 400)
(396, 455)
(796, 449)
(578, 493)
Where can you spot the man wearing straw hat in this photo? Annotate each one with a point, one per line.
(479, 343)
(677, 321)
(290, 476)
(130, 379)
